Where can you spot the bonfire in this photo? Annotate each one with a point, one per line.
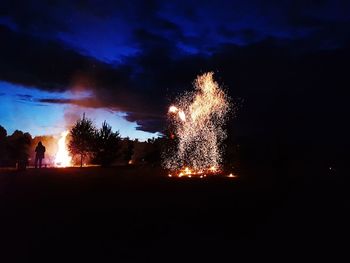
(62, 158)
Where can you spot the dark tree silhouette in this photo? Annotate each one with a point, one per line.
(3, 133)
(3, 142)
(128, 150)
(82, 138)
(106, 145)
(18, 146)
(153, 151)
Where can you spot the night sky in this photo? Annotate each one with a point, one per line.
(284, 63)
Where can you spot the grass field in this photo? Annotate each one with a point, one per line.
(138, 214)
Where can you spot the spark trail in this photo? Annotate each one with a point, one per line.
(197, 122)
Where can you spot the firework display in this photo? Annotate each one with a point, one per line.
(197, 124)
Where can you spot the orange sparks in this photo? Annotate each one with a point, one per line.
(182, 116)
(173, 109)
(188, 172)
(198, 120)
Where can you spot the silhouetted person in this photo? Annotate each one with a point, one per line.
(39, 156)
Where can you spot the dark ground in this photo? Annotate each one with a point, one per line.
(134, 214)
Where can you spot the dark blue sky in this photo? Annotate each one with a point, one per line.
(125, 60)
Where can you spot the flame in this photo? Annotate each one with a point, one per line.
(198, 120)
(213, 169)
(173, 109)
(188, 172)
(182, 115)
(63, 159)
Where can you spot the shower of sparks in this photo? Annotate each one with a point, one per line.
(196, 122)
(63, 159)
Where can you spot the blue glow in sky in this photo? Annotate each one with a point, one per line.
(21, 110)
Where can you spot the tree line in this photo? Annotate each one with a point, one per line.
(15, 148)
(101, 145)
(87, 144)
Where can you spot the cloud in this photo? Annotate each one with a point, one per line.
(31, 62)
(53, 67)
(27, 16)
(24, 96)
(256, 49)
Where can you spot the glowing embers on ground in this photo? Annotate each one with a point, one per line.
(212, 171)
(197, 127)
(62, 158)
